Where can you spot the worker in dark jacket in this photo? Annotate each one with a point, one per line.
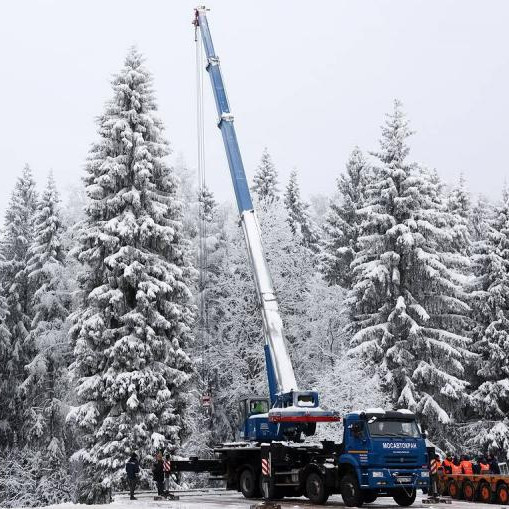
(494, 468)
(158, 473)
(132, 468)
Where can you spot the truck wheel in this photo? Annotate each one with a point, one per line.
(502, 494)
(484, 493)
(453, 489)
(405, 498)
(369, 498)
(350, 491)
(468, 491)
(315, 488)
(248, 483)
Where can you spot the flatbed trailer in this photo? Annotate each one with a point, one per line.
(486, 488)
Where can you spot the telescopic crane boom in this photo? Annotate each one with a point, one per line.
(288, 404)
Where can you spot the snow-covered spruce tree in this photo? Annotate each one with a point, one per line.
(187, 194)
(5, 335)
(234, 353)
(292, 268)
(265, 180)
(42, 388)
(459, 206)
(25, 480)
(16, 241)
(480, 227)
(406, 300)
(131, 333)
(211, 229)
(491, 397)
(208, 247)
(5, 360)
(480, 220)
(299, 219)
(342, 223)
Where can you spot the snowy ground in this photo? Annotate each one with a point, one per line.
(236, 501)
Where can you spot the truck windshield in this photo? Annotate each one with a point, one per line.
(378, 428)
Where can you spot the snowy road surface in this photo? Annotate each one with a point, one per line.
(236, 501)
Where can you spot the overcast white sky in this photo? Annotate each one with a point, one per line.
(307, 79)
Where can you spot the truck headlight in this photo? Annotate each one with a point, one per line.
(425, 473)
(377, 474)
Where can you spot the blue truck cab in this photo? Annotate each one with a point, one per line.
(383, 454)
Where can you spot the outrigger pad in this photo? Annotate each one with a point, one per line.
(437, 500)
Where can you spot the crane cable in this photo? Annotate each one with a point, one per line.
(202, 223)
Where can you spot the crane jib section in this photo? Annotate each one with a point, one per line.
(272, 323)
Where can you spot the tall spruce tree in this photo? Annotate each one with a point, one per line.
(42, 389)
(459, 205)
(406, 302)
(481, 221)
(342, 223)
(208, 422)
(234, 355)
(135, 324)
(265, 180)
(5, 362)
(17, 239)
(491, 398)
(299, 219)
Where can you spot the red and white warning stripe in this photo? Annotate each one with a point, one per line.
(265, 467)
(433, 466)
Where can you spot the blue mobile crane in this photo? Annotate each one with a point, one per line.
(291, 412)
(383, 453)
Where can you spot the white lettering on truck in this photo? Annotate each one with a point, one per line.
(399, 445)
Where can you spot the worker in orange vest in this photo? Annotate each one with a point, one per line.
(456, 467)
(447, 463)
(466, 465)
(484, 466)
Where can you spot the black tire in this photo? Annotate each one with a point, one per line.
(369, 498)
(484, 493)
(248, 483)
(468, 490)
(316, 490)
(502, 494)
(404, 498)
(350, 491)
(453, 489)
